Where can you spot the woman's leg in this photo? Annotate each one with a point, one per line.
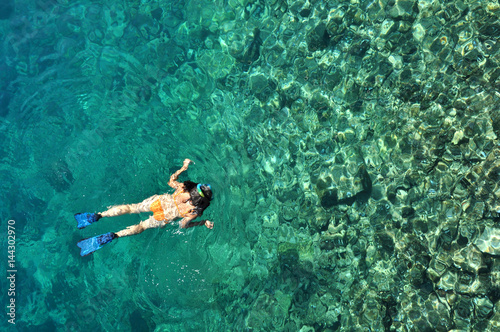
(151, 222)
(120, 209)
(129, 208)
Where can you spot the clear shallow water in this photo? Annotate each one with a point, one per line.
(336, 138)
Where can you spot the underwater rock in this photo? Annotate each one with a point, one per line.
(483, 307)
(448, 281)
(335, 27)
(371, 313)
(318, 38)
(438, 266)
(425, 313)
(388, 27)
(269, 311)
(332, 77)
(68, 26)
(300, 7)
(216, 63)
(270, 220)
(258, 83)
(483, 181)
(375, 12)
(116, 19)
(489, 241)
(49, 239)
(274, 51)
(319, 101)
(342, 184)
(359, 48)
(417, 274)
(404, 10)
(249, 51)
(148, 27)
(289, 211)
(201, 82)
(185, 92)
(469, 259)
(463, 310)
(316, 310)
(59, 176)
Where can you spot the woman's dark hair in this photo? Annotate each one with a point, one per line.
(200, 203)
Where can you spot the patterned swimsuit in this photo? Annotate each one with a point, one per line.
(164, 208)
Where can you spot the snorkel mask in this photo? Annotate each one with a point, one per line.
(200, 191)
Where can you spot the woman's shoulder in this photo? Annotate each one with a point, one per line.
(165, 196)
(179, 188)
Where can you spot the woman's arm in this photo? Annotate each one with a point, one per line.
(186, 222)
(208, 223)
(173, 178)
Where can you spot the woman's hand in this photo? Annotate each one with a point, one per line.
(173, 178)
(186, 163)
(209, 224)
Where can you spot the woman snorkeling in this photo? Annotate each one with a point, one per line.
(187, 202)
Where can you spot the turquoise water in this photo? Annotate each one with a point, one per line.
(352, 148)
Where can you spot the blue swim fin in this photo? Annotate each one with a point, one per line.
(85, 219)
(91, 244)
